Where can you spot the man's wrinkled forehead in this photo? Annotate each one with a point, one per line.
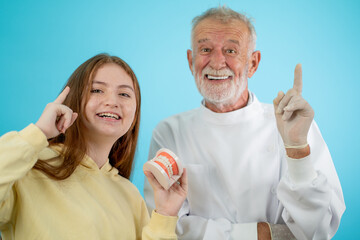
(204, 40)
(209, 29)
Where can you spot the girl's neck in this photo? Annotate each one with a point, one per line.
(99, 151)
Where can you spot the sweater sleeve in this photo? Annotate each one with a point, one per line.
(160, 227)
(311, 194)
(18, 154)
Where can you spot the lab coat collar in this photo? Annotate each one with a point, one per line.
(246, 113)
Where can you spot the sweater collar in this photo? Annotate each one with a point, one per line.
(87, 162)
(246, 113)
(106, 168)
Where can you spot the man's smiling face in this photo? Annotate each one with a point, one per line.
(219, 61)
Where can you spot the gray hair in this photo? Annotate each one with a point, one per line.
(225, 15)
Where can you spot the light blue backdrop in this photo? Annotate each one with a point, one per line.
(42, 42)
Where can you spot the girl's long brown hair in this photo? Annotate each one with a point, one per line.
(123, 151)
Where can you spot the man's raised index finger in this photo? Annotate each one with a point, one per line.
(62, 96)
(298, 78)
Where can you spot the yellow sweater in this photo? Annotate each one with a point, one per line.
(92, 203)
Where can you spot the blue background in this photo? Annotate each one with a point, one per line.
(43, 42)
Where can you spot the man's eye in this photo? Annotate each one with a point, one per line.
(205, 50)
(95, 91)
(230, 51)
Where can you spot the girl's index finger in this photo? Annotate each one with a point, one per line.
(62, 96)
(298, 79)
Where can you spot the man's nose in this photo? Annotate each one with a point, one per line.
(218, 60)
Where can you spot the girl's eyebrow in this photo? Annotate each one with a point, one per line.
(120, 86)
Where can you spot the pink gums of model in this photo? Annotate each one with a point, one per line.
(166, 167)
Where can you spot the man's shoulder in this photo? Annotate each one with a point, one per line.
(178, 119)
(183, 116)
(267, 108)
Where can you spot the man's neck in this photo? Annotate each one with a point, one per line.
(229, 107)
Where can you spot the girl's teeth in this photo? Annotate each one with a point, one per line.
(108, 115)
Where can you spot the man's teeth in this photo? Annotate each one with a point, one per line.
(217, 77)
(109, 115)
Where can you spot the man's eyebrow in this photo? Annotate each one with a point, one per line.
(120, 86)
(234, 41)
(230, 40)
(202, 40)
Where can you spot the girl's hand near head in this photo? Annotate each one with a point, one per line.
(56, 117)
(168, 202)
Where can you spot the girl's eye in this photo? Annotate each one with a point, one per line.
(124, 95)
(95, 91)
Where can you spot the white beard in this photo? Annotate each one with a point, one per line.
(225, 93)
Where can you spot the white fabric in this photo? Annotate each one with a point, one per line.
(244, 231)
(301, 170)
(237, 172)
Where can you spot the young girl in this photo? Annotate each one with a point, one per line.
(66, 177)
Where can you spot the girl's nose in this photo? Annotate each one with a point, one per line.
(111, 100)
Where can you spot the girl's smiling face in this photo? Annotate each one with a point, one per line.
(110, 109)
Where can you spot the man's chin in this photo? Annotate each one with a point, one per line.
(218, 100)
(217, 97)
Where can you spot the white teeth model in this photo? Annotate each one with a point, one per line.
(166, 167)
(217, 78)
(109, 115)
(167, 164)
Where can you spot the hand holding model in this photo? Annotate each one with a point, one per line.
(293, 114)
(56, 117)
(168, 202)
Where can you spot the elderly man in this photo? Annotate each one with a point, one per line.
(254, 169)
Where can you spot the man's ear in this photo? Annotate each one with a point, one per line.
(190, 60)
(254, 62)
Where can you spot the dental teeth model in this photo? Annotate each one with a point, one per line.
(166, 167)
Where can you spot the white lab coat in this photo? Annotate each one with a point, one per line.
(238, 173)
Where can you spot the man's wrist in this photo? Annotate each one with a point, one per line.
(298, 153)
(264, 232)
